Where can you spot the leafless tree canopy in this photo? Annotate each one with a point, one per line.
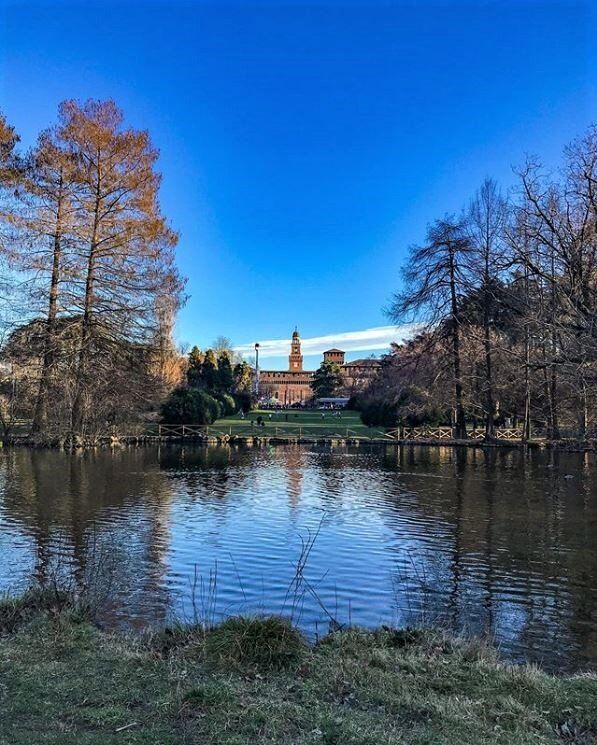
(507, 297)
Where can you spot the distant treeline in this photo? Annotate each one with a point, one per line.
(506, 297)
(218, 384)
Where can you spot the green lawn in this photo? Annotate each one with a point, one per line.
(68, 683)
(296, 422)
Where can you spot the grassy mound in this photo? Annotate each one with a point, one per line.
(268, 643)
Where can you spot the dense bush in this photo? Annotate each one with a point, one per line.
(227, 404)
(410, 406)
(215, 407)
(244, 401)
(379, 413)
(190, 406)
(354, 403)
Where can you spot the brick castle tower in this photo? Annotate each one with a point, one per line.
(295, 358)
(293, 386)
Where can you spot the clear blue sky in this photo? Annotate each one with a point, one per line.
(304, 146)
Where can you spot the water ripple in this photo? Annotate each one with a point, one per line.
(485, 542)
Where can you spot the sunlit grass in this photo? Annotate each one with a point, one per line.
(311, 423)
(69, 683)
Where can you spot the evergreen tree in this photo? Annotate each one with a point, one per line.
(242, 377)
(194, 367)
(327, 380)
(225, 376)
(436, 279)
(209, 371)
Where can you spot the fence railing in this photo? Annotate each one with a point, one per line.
(448, 433)
(508, 434)
(428, 433)
(333, 431)
(269, 430)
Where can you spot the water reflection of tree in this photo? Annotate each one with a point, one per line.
(503, 538)
(67, 503)
(521, 560)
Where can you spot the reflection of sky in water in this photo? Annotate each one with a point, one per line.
(17, 556)
(495, 542)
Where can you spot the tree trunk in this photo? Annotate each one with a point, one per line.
(460, 419)
(553, 377)
(78, 412)
(526, 427)
(553, 403)
(40, 417)
(584, 409)
(489, 405)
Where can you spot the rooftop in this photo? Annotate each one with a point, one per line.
(367, 362)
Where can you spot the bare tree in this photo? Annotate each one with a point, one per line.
(435, 280)
(485, 222)
(10, 173)
(48, 221)
(222, 345)
(560, 217)
(124, 248)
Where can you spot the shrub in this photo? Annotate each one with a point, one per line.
(379, 412)
(217, 408)
(268, 643)
(227, 403)
(411, 406)
(190, 406)
(17, 611)
(354, 403)
(244, 401)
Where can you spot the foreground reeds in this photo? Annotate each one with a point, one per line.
(256, 681)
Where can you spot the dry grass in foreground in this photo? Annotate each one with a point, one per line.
(256, 681)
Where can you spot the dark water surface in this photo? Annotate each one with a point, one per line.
(500, 541)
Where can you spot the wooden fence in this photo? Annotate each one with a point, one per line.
(270, 431)
(447, 433)
(221, 432)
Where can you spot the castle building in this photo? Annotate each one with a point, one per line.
(293, 386)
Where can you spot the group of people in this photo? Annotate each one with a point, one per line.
(260, 421)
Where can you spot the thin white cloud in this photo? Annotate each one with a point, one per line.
(368, 340)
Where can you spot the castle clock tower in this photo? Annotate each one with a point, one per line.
(295, 358)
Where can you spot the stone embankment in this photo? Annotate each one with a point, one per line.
(76, 442)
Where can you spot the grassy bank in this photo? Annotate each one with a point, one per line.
(294, 422)
(256, 681)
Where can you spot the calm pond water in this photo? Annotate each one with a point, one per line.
(499, 541)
